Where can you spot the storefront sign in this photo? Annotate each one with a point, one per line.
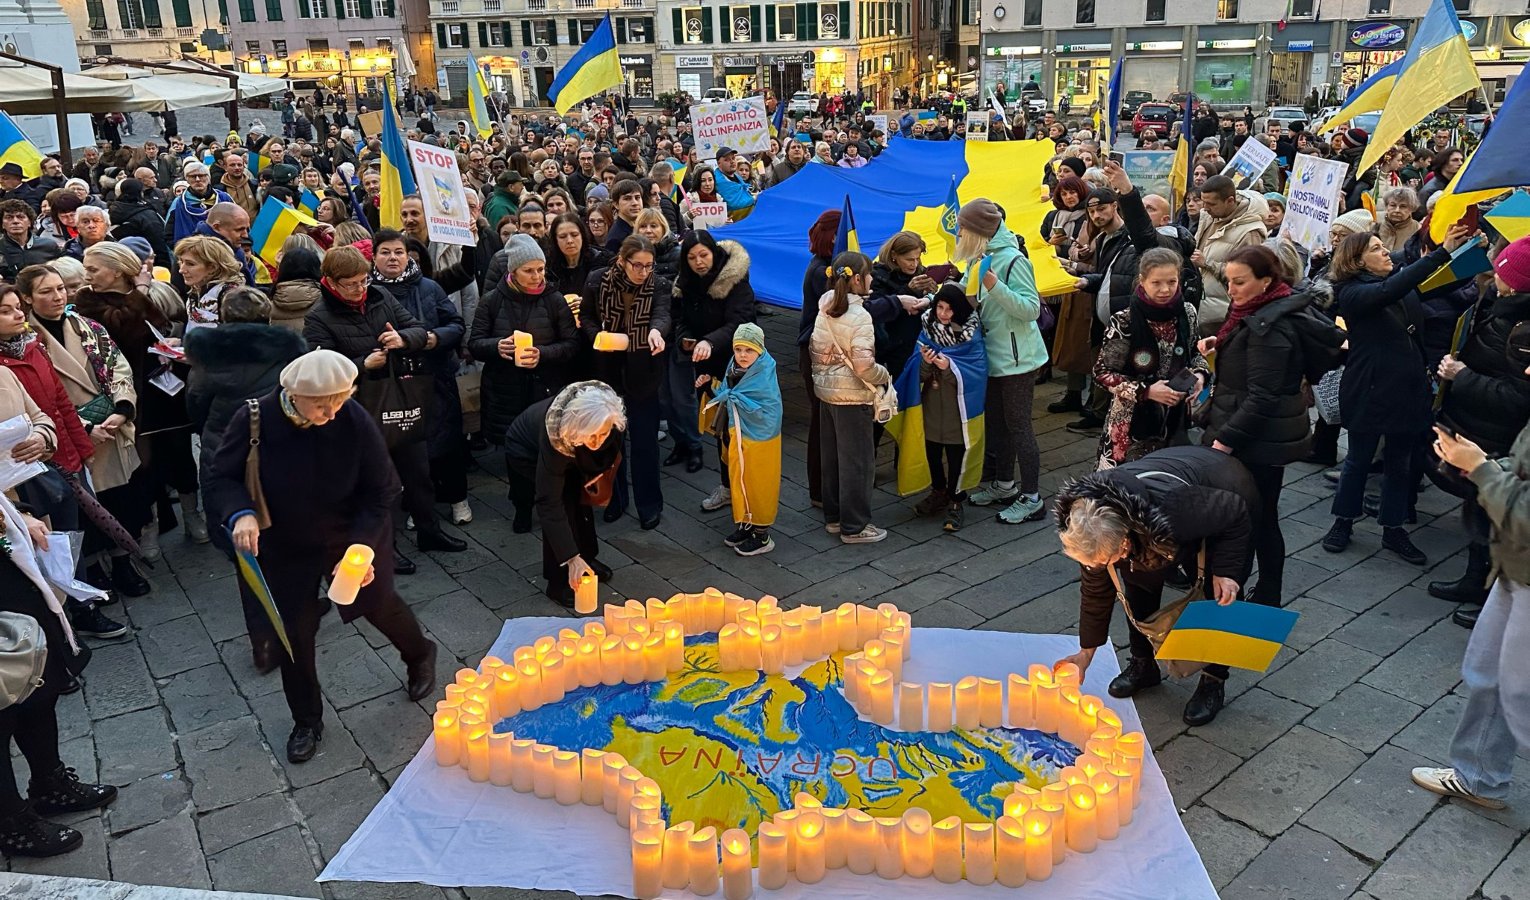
(1377, 35)
(702, 61)
(1521, 31)
(643, 60)
(751, 61)
(1083, 48)
(440, 181)
(1227, 45)
(1158, 46)
(1468, 30)
(740, 124)
(1312, 199)
(790, 59)
(1034, 50)
(1298, 46)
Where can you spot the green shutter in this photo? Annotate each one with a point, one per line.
(844, 18)
(526, 33)
(151, 17)
(706, 24)
(754, 24)
(504, 33)
(552, 31)
(677, 23)
(339, 9)
(246, 10)
(440, 35)
(725, 16)
(483, 34)
(273, 10)
(620, 23)
(770, 23)
(805, 19)
(182, 13)
(366, 9)
(648, 35)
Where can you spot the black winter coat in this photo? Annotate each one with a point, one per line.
(333, 325)
(560, 477)
(430, 306)
(507, 388)
(1489, 400)
(666, 258)
(129, 219)
(1257, 407)
(1386, 384)
(712, 313)
(897, 330)
(1442, 306)
(1205, 497)
(567, 279)
(815, 281)
(14, 257)
(229, 365)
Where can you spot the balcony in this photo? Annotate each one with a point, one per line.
(99, 34)
(635, 4)
(493, 5)
(155, 32)
(584, 4)
(450, 7)
(130, 33)
(536, 5)
(186, 32)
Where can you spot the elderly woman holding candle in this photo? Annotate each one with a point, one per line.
(569, 446)
(327, 484)
(1140, 520)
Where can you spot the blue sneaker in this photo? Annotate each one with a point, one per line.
(1024, 509)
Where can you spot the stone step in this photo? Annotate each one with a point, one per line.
(48, 887)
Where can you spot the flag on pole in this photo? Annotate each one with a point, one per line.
(16, 148)
(848, 238)
(595, 68)
(1495, 166)
(948, 218)
(255, 581)
(1179, 175)
(1437, 69)
(778, 123)
(397, 173)
(478, 99)
(1371, 95)
(1112, 111)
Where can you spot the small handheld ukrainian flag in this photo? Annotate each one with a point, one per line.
(847, 238)
(16, 148)
(779, 121)
(595, 68)
(948, 218)
(1111, 122)
(308, 202)
(478, 99)
(276, 222)
(1245, 635)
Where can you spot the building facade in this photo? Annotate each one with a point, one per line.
(1233, 53)
(350, 46)
(42, 30)
(149, 29)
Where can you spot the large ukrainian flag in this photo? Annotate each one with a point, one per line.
(969, 363)
(478, 99)
(1494, 167)
(397, 173)
(595, 68)
(16, 148)
(1437, 69)
(1371, 95)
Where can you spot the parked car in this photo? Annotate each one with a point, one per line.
(802, 103)
(1285, 115)
(1134, 99)
(1032, 100)
(1152, 115)
(712, 95)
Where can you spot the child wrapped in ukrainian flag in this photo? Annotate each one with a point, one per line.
(745, 412)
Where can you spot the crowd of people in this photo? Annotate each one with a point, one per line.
(338, 392)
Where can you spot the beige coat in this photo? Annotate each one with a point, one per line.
(291, 301)
(1217, 239)
(15, 401)
(114, 461)
(844, 356)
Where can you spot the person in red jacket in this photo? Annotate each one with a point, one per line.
(22, 354)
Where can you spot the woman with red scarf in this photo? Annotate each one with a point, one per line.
(1270, 341)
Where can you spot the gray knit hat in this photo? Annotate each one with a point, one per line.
(981, 215)
(520, 250)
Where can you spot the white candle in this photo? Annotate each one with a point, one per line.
(1009, 851)
(647, 865)
(890, 854)
(978, 852)
(522, 765)
(1083, 831)
(501, 765)
(810, 847)
(918, 853)
(880, 689)
(940, 712)
(787, 819)
(1019, 702)
(1056, 812)
(773, 856)
(643, 811)
(1126, 789)
(448, 735)
(613, 658)
(812, 634)
(946, 841)
(1108, 805)
(737, 871)
(626, 787)
(703, 862)
(1068, 675)
(611, 767)
(552, 679)
(967, 712)
(791, 642)
(529, 676)
(633, 668)
(676, 867)
(586, 594)
(771, 650)
(346, 583)
(1129, 751)
(836, 844)
(1018, 803)
(542, 783)
(861, 842)
(1045, 699)
(655, 658)
(565, 770)
(911, 706)
(1038, 845)
(592, 781)
(507, 692)
(990, 703)
(845, 618)
(478, 753)
(727, 649)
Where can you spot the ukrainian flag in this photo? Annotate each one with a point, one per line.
(754, 410)
(397, 173)
(969, 363)
(255, 582)
(257, 161)
(308, 202)
(847, 238)
(1495, 166)
(948, 219)
(16, 148)
(478, 99)
(1179, 175)
(1511, 218)
(676, 192)
(595, 68)
(1245, 635)
(1437, 69)
(1371, 95)
(777, 126)
(276, 222)
(1112, 109)
(1469, 260)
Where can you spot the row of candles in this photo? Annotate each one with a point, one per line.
(638, 642)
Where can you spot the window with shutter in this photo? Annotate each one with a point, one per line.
(151, 17)
(552, 32)
(725, 13)
(246, 12)
(97, 13)
(676, 26)
(844, 18)
(648, 35)
(504, 33)
(339, 9)
(754, 23)
(573, 31)
(526, 40)
(483, 34)
(706, 25)
(273, 10)
(366, 9)
(804, 21)
(770, 23)
(440, 35)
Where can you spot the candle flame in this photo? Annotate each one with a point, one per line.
(356, 560)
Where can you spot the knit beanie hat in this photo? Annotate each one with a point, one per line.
(955, 295)
(1075, 164)
(1354, 138)
(140, 246)
(980, 215)
(1513, 265)
(1356, 221)
(750, 335)
(320, 373)
(520, 250)
(1275, 198)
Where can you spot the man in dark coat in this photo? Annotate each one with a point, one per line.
(796, 159)
(19, 247)
(1162, 510)
(132, 215)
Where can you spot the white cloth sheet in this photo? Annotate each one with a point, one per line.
(437, 827)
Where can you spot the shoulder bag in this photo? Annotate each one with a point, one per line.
(23, 655)
(252, 469)
(399, 404)
(1157, 626)
(885, 406)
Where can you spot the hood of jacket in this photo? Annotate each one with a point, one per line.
(244, 343)
(295, 297)
(1317, 294)
(1151, 532)
(1248, 214)
(1003, 239)
(734, 271)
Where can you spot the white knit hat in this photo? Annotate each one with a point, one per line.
(321, 373)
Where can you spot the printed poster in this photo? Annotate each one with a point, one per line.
(740, 124)
(1312, 199)
(879, 122)
(708, 215)
(440, 183)
(1149, 170)
(1250, 162)
(977, 124)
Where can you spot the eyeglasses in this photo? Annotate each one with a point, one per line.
(639, 267)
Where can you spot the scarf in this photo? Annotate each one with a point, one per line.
(410, 271)
(613, 306)
(1239, 311)
(1142, 354)
(947, 334)
(359, 306)
(291, 412)
(16, 347)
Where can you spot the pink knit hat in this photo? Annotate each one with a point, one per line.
(1513, 265)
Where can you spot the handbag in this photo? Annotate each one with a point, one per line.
(252, 469)
(885, 405)
(1325, 396)
(399, 404)
(98, 410)
(23, 655)
(599, 490)
(1157, 626)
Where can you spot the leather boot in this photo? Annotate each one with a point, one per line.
(1140, 674)
(422, 675)
(1466, 616)
(434, 540)
(1471, 587)
(303, 743)
(1206, 702)
(126, 580)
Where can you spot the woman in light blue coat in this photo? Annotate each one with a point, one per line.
(1010, 307)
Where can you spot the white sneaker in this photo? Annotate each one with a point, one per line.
(461, 513)
(990, 494)
(1449, 784)
(148, 542)
(721, 496)
(868, 535)
(409, 523)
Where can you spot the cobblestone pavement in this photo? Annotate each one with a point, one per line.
(1299, 789)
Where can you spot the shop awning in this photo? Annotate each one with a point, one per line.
(1500, 69)
(25, 90)
(159, 93)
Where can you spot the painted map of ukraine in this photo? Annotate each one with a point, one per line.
(729, 750)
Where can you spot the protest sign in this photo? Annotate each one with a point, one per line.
(440, 182)
(708, 215)
(879, 122)
(370, 123)
(977, 125)
(1312, 199)
(739, 124)
(1149, 170)
(1248, 164)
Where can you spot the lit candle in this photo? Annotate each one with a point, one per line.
(1068, 675)
(978, 852)
(836, 841)
(544, 645)
(647, 865)
(748, 647)
(967, 712)
(861, 842)
(918, 852)
(773, 856)
(448, 735)
(771, 650)
(647, 787)
(1129, 749)
(1126, 792)
(703, 862)
(1083, 830)
(456, 692)
(592, 781)
(1038, 845)
(478, 753)
(990, 703)
(613, 658)
(611, 767)
(643, 811)
(1009, 851)
(1019, 702)
(890, 854)
(787, 819)
(812, 633)
(626, 787)
(946, 843)
(1046, 701)
(791, 642)
(507, 692)
(587, 592)
(737, 871)
(674, 642)
(522, 765)
(727, 649)
(1089, 707)
(1068, 715)
(880, 692)
(633, 668)
(1056, 812)
(588, 665)
(1110, 720)
(346, 583)
(1017, 804)
(542, 783)
(552, 679)
(1107, 799)
(500, 762)
(675, 872)
(804, 800)
(529, 675)
(939, 717)
(611, 341)
(522, 340)
(845, 618)
(810, 847)
(911, 706)
(565, 768)
(828, 623)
